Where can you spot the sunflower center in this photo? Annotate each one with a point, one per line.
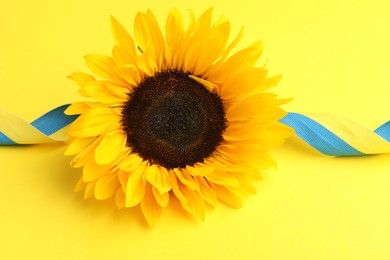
(174, 121)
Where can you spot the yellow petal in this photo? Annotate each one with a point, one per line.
(162, 199)
(253, 106)
(241, 60)
(203, 23)
(150, 208)
(158, 37)
(135, 188)
(80, 107)
(246, 188)
(123, 177)
(213, 45)
(182, 49)
(241, 151)
(232, 44)
(175, 188)
(89, 190)
(77, 145)
(215, 67)
(101, 65)
(243, 83)
(85, 155)
(240, 131)
(262, 162)
(222, 178)
(92, 171)
(110, 147)
(195, 203)
(131, 162)
(120, 198)
(200, 170)
(268, 83)
(147, 64)
(228, 197)
(148, 35)
(174, 34)
(81, 79)
(253, 175)
(121, 36)
(131, 74)
(106, 186)
(94, 122)
(192, 22)
(81, 185)
(196, 42)
(121, 90)
(142, 31)
(251, 155)
(100, 92)
(207, 193)
(158, 177)
(231, 166)
(122, 56)
(190, 200)
(186, 179)
(207, 84)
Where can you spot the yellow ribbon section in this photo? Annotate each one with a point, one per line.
(22, 132)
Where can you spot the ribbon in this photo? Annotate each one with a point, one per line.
(329, 134)
(337, 136)
(48, 128)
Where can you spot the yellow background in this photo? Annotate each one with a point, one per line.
(335, 58)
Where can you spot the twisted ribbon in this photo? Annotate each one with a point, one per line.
(47, 128)
(329, 134)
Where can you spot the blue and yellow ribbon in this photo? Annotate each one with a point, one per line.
(329, 134)
(47, 128)
(337, 136)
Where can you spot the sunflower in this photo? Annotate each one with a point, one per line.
(174, 115)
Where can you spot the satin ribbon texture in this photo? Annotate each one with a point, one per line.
(329, 134)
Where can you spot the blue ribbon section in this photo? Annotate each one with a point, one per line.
(4, 140)
(54, 120)
(384, 131)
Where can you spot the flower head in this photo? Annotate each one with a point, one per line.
(174, 114)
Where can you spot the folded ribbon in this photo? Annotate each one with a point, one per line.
(329, 134)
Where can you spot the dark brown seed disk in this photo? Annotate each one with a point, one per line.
(173, 121)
